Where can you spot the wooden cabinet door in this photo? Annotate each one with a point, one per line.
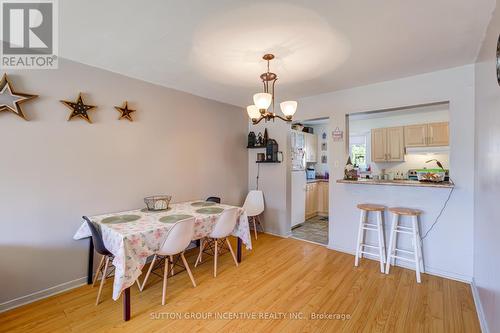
(308, 201)
(379, 145)
(395, 144)
(314, 195)
(326, 189)
(438, 134)
(416, 135)
(323, 198)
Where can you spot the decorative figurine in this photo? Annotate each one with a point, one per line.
(349, 172)
(251, 140)
(266, 137)
(260, 140)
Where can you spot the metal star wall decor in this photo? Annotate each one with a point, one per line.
(79, 109)
(11, 100)
(126, 113)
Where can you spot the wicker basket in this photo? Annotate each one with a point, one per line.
(157, 202)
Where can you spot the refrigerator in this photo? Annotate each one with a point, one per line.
(298, 178)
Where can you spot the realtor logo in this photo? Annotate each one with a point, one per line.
(29, 34)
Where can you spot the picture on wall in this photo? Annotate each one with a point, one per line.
(323, 146)
(324, 159)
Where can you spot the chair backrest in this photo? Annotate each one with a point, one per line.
(254, 203)
(213, 199)
(225, 223)
(96, 238)
(178, 237)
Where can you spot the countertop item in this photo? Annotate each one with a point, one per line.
(397, 183)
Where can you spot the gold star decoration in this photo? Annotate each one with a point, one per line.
(125, 112)
(79, 109)
(11, 100)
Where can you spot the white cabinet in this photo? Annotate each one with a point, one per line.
(311, 147)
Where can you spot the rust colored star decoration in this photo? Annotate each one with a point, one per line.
(126, 113)
(79, 109)
(10, 100)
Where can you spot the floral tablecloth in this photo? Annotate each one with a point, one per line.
(133, 242)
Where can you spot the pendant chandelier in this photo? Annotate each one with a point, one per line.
(264, 100)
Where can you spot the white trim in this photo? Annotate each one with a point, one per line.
(278, 235)
(428, 270)
(23, 300)
(479, 308)
(309, 241)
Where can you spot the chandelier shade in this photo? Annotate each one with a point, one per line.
(253, 112)
(262, 100)
(288, 108)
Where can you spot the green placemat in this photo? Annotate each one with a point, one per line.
(174, 218)
(121, 219)
(146, 210)
(210, 210)
(203, 204)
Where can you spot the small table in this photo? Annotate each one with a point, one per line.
(133, 236)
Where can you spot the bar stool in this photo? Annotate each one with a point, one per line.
(364, 225)
(415, 234)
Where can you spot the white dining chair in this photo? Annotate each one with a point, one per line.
(224, 226)
(254, 206)
(176, 241)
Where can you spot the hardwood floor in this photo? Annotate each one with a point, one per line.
(279, 275)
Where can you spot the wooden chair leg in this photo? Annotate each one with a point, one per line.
(165, 277)
(215, 257)
(98, 271)
(202, 247)
(184, 261)
(103, 279)
(172, 265)
(141, 288)
(231, 250)
(254, 227)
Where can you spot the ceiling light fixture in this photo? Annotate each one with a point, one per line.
(262, 101)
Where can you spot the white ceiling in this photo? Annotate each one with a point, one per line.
(214, 48)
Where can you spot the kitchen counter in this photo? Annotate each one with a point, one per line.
(317, 180)
(415, 183)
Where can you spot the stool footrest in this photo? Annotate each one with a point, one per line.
(370, 253)
(370, 246)
(402, 258)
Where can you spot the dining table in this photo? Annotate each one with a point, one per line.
(133, 236)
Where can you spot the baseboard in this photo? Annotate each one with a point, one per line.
(278, 235)
(308, 241)
(479, 308)
(428, 270)
(23, 300)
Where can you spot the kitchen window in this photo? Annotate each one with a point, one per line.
(358, 150)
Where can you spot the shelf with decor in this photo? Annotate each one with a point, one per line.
(267, 161)
(256, 147)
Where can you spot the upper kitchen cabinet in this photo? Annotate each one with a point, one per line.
(415, 135)
(311, 147)
(387, 144)
(438, 134)
(427, 135)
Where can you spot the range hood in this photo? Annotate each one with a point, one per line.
(427, 150)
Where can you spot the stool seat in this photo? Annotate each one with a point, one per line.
(372, 207)
(405, 211)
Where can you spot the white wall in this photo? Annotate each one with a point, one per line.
(52, 171)
(449, 246)
(487, 181)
